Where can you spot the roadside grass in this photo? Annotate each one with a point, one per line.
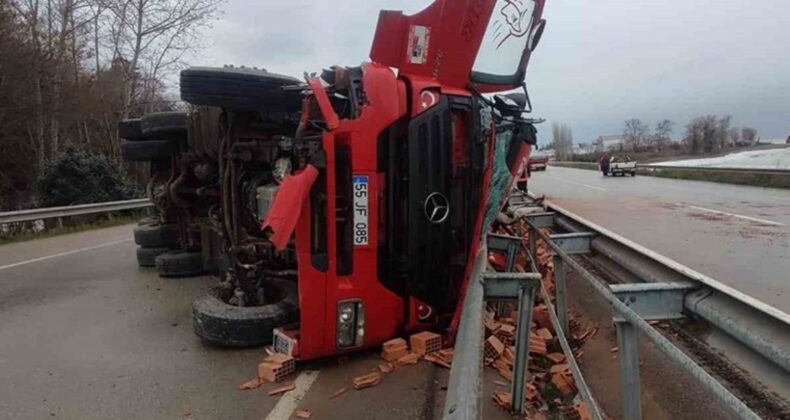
(737, 178)
(81, 226)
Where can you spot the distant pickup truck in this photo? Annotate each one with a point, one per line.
(618, 165)
(538, 162)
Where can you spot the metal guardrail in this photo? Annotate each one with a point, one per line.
(68, 211)
(671, 291)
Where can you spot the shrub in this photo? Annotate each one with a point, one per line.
(77, 177)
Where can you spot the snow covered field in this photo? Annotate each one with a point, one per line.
(753, 159)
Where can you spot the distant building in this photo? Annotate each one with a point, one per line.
(609, 143)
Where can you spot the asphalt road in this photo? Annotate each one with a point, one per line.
(738, 235)
(86, 334)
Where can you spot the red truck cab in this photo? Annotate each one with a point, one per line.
(384, 247)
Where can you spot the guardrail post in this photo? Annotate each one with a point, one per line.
(533, 243)
(60, 223)
(526, 300)
(629, 370)
(559, 283)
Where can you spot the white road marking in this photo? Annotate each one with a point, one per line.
(62, 254)
(288, 402)
(576, 183)
(739, 216)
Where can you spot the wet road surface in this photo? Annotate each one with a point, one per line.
(738, 235)
(86, 334)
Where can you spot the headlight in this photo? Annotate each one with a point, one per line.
(350, 323)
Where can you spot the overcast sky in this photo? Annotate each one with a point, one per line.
(599, 63)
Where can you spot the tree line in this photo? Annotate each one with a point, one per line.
(71, 69)
(705, 134)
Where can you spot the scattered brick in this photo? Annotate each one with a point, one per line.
(491, 326)
(425, 342)
(302, 414)
(503, 399)
(282, 389)
(556, 357)
(366, 381)
(540, 314)
(545, 334)
(276, 367)
(394, 349)
(386, 367)
(582, 411)
(409, 359)
(251, 384)
(338, 393)
(564, 383)
(288, 363)
(613, 350)
(493, 348)
(562, 367)
(500, 383)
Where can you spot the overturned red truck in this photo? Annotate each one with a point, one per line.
(349, 205)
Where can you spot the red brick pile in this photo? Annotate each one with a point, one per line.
(550, 388)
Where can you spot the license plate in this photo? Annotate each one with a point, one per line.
(361, 208)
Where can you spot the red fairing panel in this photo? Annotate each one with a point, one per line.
(451, 38)
(285, 211)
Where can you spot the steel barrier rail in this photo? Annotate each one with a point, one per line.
(464, 389)
(627, 327)
(68, 211)
(760, 327)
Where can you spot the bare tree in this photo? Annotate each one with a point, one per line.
(561, 140)
(749, 135)
(151, 37)
(635, 133)
(662, 133)
(735, 136)
(723, 140)
(701, 134)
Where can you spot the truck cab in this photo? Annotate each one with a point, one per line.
(405, 160)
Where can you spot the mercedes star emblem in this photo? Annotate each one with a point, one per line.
(437, 208)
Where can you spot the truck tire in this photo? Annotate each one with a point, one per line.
(180, 264)
(231, 326)
(240, 89)
(131, 130)
(146, 257)
(144, 151)
(166, 125)
(633, 173)
(156, 236)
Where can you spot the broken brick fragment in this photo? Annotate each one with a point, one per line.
(564, 383)
(366, 381)
(540, 314)
(425, 342)
(338, 393)
(409, 359)
(386, 367)
(562, 367)
(302, 414)
(545, 334)
(582, 411)
(556, 357)
(282, 389)
(503, 399)
(251, 384)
